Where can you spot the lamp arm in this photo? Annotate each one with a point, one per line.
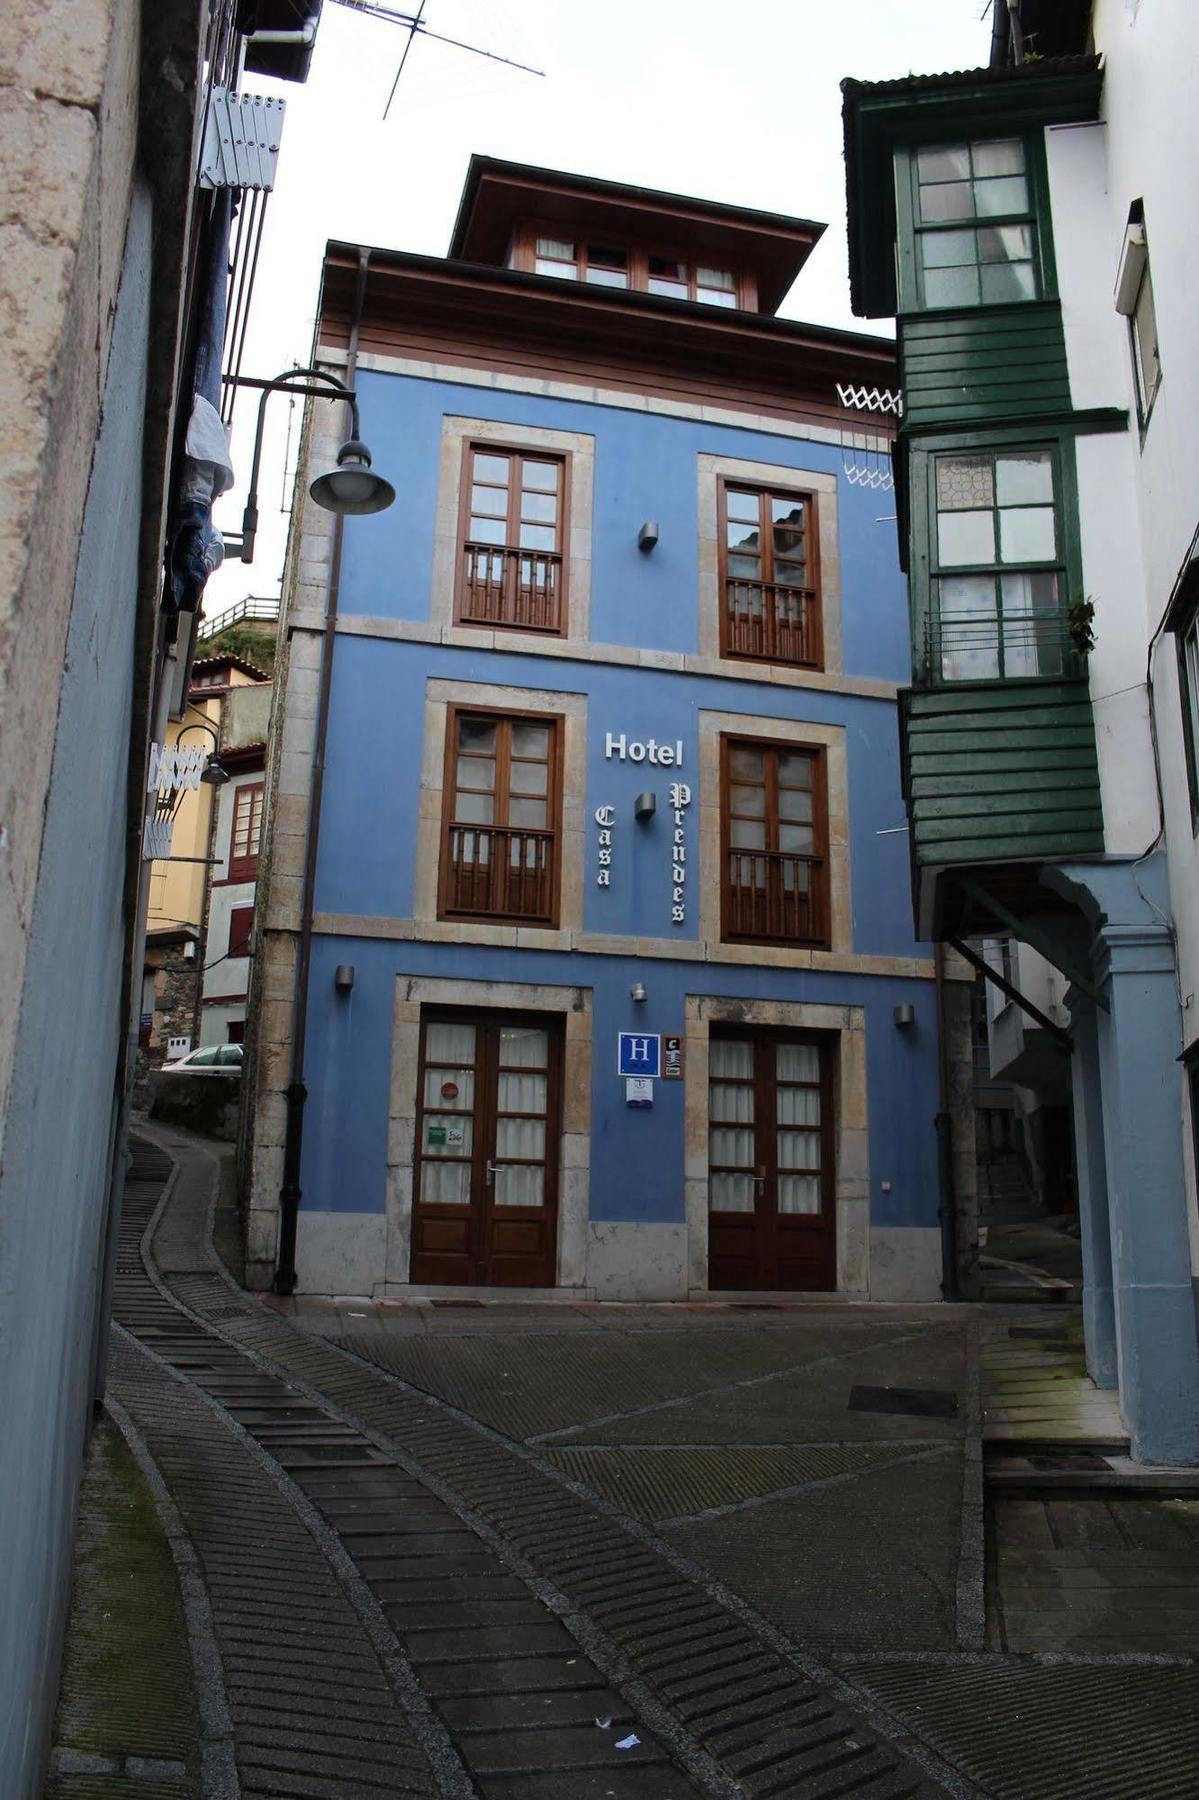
(287, 383)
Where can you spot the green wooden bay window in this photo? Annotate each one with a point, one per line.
(998, 593)
(972, 228)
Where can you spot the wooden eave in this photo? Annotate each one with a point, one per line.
(497, 195)
(923, 109)
(435, 310)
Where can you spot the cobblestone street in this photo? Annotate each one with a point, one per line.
(571, 1553)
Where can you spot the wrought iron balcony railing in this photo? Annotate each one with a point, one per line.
(982, 647)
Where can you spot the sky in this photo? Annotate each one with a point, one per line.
(732, 100)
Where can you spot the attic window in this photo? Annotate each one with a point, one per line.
(616, 265)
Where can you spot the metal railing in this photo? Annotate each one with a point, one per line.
(775, 894)
(499, 871)
(982, 647)
(521, 588)
(773, 622)
(265, 611)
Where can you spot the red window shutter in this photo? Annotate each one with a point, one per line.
(241, 920)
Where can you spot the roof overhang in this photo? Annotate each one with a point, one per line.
(497, 195)
(880, 116)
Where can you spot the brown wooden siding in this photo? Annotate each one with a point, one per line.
(1001, 773)
(978, 367)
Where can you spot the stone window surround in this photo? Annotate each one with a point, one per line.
(440, 695)
(573, 1004)
(847, 1026)
(713, 726)
(579, 449)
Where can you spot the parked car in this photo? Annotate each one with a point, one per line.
(213, 1059)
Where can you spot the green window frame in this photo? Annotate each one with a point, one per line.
(999, 547)
(1187, 639)
(972, 217)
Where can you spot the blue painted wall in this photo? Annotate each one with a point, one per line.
(645, 467)
(59, 1141)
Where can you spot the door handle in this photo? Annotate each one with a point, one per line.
(494, 1169)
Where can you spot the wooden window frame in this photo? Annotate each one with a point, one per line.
(820, 834)
(522, 453)
(813, 591)
(557, 724)
(523, 255)
(245, 868)
(1145, 400)
(239, 947)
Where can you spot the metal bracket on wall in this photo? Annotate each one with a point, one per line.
(1013, 993)
(1037, 940)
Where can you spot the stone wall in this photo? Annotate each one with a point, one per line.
(176, 1000)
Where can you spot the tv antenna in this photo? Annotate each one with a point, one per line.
(414, 24)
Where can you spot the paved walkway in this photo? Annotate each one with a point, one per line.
(590, 1553)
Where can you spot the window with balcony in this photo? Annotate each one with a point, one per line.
(247, 832)
(774, 845)
(998, 570)
(512, 571)
(500, 834)
(647, 268)
(974, 224)
(770, 576)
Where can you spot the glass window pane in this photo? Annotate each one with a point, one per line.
(732, 1058)
(476, 734)
(999, 156)
(539, 507)
(730, 1103)
(743, 538)
(795, 804)
(537, 537)
(605, 256)
(558, 247)
(1145, 337)
(799, 1149)
(795, 769)
(951, 287)
(746, 763)
(530, 740)
(668, 267)
(677, 289)
(444, 1184)
(1009, 195)
(567, 271)
(716, 278)
(488, 531)
(943, 162)
(797, 840)
(527, 815)
(947, 200)
(945, 249)
(1004, 243)
(791, 574)
(529, 777)
(436, 1079)
(540, 475)
(731, 1147)
(789, 541)
(474, 809)
(965, 537)
(517, 1186)
(744, 568)
(968, 628)
(730, 1193)
(492, 501)
(799, 1193)
(749, 802)
(964, 482)
(1003, 282)
(714, 297)
(523, 1047)
(741, 505)
(747, 834)
(450, 1043)
(476, 772)
(447, 1134)
(786, 510)
(799, 1105)
(1034, 636)
(521, 1092)
(520, 1137)
(491, 468)
(613, 278)
(1026, 534)
(1024, 480)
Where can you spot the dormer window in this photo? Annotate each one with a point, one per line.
(603, 263)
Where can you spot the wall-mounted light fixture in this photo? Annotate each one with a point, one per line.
(637, 991)
(352, 487)
(647, 537)
(343, 979)
(644, 807)
(904, 1016)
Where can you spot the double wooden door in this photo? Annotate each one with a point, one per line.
(771, 1180)
(485, 1175)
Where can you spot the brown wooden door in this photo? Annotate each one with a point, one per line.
(771, 1183)
(485, 1206)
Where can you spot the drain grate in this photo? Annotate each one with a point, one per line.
(921, 1403)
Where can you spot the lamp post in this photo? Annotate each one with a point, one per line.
(351, 487)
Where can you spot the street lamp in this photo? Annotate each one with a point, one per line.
(351, 487)
(214, 773)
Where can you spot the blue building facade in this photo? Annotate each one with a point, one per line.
(593, 772)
